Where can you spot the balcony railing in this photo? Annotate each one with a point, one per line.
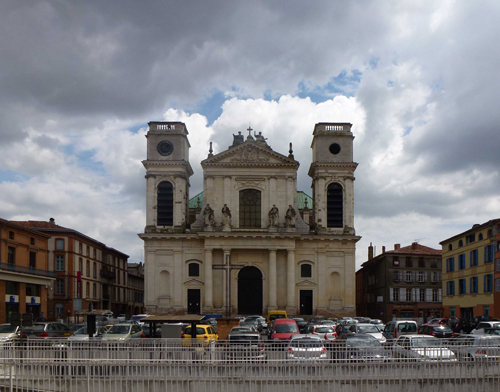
(27, 270)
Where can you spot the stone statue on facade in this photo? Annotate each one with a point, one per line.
(290, 217)
(226, 217)
(273, 216)
(208, 213)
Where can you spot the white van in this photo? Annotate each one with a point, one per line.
(394, 329)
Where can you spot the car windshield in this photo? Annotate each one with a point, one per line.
(245, 338)
(325, 329)
(425, 342)
(306, 343)
(119, 329)
(368, 328)
(358, 341)
(7, 328)
(286, 328)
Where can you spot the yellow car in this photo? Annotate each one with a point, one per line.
(204, 333)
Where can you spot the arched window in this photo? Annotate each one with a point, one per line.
(193, 269)
(165, 204)
(460, 243)
(250, 205)
(450, 247)
(335, 205)
(481, 236)
(306, 271)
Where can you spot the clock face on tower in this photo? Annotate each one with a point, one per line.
(165, 147)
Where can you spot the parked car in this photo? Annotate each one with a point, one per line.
(8, 333)
(82, 333)
(76, 327)
(301, 323)
(283, 329)
(245, 346)
(138, 317)
(47, 330)
(394, 329)
(241, 328)
(422, 348)
(479, 330)
(492, 331)
(205, 333)
(122, 332)
(369, 329)
(359, 348)
(305, 348)
(275, 314)
(436, 330)
(252, 323)
(261, 322)
(324, 332)
(476, 347)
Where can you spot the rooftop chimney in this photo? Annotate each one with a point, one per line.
(52, 220)
(370, 252)
(397, 246)
(414, 246)
(383, 249)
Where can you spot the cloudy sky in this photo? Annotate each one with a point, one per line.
(79, 81)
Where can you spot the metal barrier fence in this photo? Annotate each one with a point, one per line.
(176, 365)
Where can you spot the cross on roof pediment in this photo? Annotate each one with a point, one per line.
(249, 153)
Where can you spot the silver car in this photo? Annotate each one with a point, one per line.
(476, 347)
(422, 348)
(8, 333)
(305, 348)
(122, 332)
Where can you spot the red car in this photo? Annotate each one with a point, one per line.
(284, 328)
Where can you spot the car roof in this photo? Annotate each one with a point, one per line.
(304, 336)
(284, 321)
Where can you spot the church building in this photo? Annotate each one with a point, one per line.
(253, 246)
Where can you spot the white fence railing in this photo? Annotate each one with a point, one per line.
(175, 365)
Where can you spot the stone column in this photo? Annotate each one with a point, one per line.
(322, 279)
(208, 279)
(272, 280)
(227, 283)
(290, 282)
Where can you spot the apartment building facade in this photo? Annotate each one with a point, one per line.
(471, 272)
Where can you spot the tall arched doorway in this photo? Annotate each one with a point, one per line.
(250, 291)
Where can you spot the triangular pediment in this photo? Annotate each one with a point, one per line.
(306, 282)
(249, 153)
(193, 282)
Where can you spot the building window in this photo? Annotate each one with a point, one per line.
(470, 238)
(460, 243)
(11, 235)
(94, 291)
(32, 260)
(450, 264)
(165, 204)
(434, 264)
(408, 276)
(452, 311)
(59, 244)
(450, 247)
(488, 283)
(481, 236)
(408, 262)
(473, 285)
(59, 262)
(11, 255)
(32, 241)
(32, 290)
(335, 205)
(461, 261)
(435, 277)
(306, 271)
(395, 295)
(80, 264)
(88, 251)
(435, 295)
(486, 310)
(59, 310)
(80, 248)
(497, 285)
(421, 276)
(421, 295)
(87, 289)
(490, 233)
(488, 253)
(95, 270)
(95, 254)
(193, 269)
(59, 286)
(421, 262)
(88, 268)
(250, 209)
(450, 288)
(461, 287)
(408, 295)
(473, 258)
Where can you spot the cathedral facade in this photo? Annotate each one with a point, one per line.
(252, 246)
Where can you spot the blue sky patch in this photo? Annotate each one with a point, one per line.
(345, 83)
(12, 176)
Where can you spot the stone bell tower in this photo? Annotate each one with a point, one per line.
(167, 174)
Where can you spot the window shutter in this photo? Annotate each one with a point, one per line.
(447, 288)
(428, 295)
(447, 265)
(440, 295)
(470, 256)
(402, 295)
(425, 276)
(485, 254)
(497, 285)
(414, 295)
(391, 296)
(484, 284)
